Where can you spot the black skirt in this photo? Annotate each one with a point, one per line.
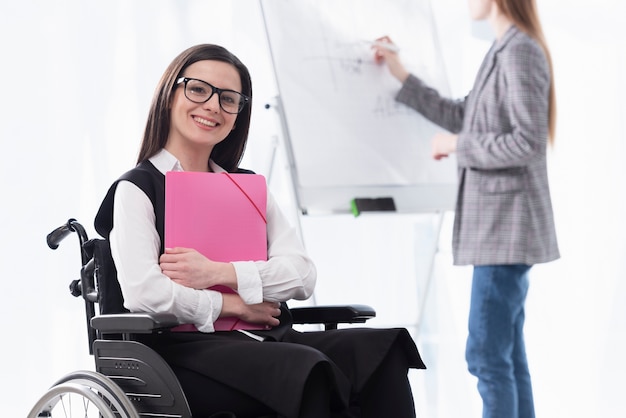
(274, 371)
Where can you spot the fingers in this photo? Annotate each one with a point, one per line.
(266, 313)
(274, 308)
(436, 151)
(443, 144)
(379, 58)
(274, 321)
(171, 255)
(381, 52)
(385, 44)
(179, 254)
(177, 250)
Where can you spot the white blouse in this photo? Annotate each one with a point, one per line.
(135, 245)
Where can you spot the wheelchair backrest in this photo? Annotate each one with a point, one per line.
(98, 277)
(110, 299)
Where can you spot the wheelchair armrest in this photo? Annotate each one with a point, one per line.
(148, 323)
(331, 315)
(134, 323)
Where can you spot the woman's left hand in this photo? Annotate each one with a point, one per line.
(189, 268)
(443, 144)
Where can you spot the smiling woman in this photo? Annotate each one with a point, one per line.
(196, 104)
(320, 373)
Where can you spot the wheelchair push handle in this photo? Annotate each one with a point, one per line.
(55, 237)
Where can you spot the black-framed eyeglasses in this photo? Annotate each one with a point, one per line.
(199, 91)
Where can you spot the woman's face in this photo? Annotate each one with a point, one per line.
(203, 123)
(480, 9)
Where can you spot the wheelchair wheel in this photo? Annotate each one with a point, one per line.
(84, 394)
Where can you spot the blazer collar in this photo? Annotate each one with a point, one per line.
(508, 35)
(490, 59)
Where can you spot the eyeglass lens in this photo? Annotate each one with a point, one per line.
(199, 91)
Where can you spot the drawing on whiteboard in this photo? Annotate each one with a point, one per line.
(345, 59)
(348, 64)
(386, 106)
(347, 135)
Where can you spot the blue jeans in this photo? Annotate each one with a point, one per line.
(495, 351)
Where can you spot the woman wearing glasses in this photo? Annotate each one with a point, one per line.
(503, 217)
(199, 121)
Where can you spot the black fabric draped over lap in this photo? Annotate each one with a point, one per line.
(274, 371)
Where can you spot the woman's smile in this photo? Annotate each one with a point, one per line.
(205, 122)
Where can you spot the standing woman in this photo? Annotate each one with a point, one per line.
(503, 221)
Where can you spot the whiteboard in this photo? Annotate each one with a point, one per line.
(346, 135)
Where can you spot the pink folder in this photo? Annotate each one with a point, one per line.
(222, 216)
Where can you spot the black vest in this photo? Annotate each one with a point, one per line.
(152, 182)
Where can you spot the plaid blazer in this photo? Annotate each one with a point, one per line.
(503, 210)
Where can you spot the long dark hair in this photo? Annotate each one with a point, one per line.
(227, 153)
(524, 14)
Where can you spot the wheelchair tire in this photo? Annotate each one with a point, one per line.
(84, 394)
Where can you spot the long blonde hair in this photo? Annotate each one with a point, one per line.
(524, 14)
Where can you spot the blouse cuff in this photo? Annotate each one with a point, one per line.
(249, 285)
(215, 302)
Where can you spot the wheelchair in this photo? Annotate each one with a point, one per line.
(130, 379)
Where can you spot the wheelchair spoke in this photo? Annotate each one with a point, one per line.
(72, 405)
(76, 399)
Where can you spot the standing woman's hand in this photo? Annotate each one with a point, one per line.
(443, 144)
(389, 56)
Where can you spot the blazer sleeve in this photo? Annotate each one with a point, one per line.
(445, 112)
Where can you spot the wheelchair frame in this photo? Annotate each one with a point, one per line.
(131, 380)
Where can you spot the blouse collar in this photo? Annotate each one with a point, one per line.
(165, 161)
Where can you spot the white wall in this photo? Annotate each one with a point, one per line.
(78, 77)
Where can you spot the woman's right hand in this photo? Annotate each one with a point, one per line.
(264, 313)
(389, 57)
(189, 268)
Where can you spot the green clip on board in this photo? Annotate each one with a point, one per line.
(379, 204)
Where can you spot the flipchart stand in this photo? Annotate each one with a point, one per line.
(284, 141)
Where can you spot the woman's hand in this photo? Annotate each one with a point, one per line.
(443, 144)
(265, 313)
(390, 57)
(189, 268)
